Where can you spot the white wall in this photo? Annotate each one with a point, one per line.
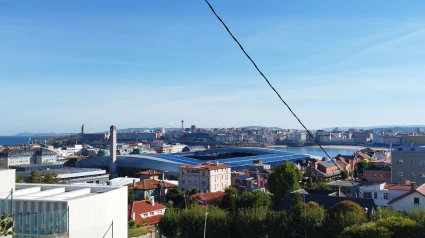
(407, 203)
(91, 216)
(7, 180)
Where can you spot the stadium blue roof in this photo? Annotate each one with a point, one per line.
(171, 162)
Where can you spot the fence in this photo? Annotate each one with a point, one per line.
(46, 224)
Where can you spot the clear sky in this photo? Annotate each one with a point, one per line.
(154, 63)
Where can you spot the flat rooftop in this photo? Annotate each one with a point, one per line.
(56, 192)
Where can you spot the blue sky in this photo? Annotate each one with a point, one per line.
(153, 63)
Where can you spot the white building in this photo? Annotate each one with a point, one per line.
(70, 210)
(414, 199)
(210, 177)
(383, 193)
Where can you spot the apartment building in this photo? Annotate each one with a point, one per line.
(63, 210)
(408, 162)
(207, 176)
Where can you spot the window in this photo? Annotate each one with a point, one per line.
(400, 173)
(160, 211)
(380, 175)
(400, 162)
(420, 162)
(386, 196)
(416, 201)
(412, 149)
(97, 181)
(375, 195)
(388, 175)
(400, 149)
(145, 214)
(412, 174)
(151, 213)
(412, 162)
(367, 195)
(422, 175)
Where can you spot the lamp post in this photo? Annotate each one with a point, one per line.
(206, 214)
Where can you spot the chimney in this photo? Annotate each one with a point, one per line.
(339, 191)
(163, 176)
(201, 196)
(113, 151)
(134, 183)
(152, 201)
(412, 186)
(216, 162)
(133, 215)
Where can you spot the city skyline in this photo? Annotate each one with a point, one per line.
(102, 63)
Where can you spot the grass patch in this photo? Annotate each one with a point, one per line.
(139, 231)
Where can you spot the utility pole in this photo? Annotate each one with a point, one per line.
(206, 214)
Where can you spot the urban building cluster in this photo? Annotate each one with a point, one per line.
(104, 170)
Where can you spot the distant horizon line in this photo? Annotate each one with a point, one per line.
(169, 128)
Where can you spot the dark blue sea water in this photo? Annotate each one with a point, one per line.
(317, 151)
(15, 140)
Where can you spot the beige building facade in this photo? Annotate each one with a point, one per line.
(211, 177)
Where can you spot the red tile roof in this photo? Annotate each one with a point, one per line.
(207, 166)
(207, 196)
(149, 184)
(144, 206)
(420, 190)
(150, 172)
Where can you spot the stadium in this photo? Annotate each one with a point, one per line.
(237, 158)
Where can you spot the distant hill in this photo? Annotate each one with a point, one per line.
(260, 127)
(29, 134)
(407, 128)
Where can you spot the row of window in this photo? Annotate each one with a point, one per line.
(375, 195)
(412, 162)
(151, 213)
(412, 174)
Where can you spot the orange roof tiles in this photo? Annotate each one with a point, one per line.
(150, 172)
(208, 196)
(144, 206)
(207, 166)
(149, 184)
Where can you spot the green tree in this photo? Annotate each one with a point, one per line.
(49, 177)
(218, 223)
(344, 174)
(228, 201)
(176, 195)
(321, 185)
(193, 191)
(307, 219)
(418, 215)
(255, 198)
(130, 197)
(169, 225)
(35, 177)
(279, 223)
(284, 179)
(365, 230)
(399, 226)
(6, 224)
(344, 214)
(360, 165)
(192, 221)
(250, 222)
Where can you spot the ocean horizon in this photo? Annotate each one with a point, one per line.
(16, 140)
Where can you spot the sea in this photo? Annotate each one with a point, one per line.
(314, 150)
(16, 140)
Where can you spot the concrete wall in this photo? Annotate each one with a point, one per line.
(91, 216)
(7, 180)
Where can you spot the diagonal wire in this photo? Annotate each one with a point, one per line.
(277, 93)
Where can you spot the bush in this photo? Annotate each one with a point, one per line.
(344, 214)
(132, 224)
(366, 230)
(399, 226)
